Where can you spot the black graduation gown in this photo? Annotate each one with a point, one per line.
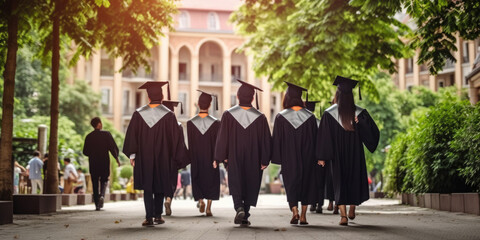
(324, 180)
(154, 136)
(244, 139)
(97, 145)
(344, 149)
(294, 136)
(184, 163)
(202, 135)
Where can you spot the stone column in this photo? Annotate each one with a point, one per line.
(117, 95)
(227, 82)
(473, 94)
(96, 57)
(471, 53)
(163, 55)
(265, 98)
(433, 82)
(193, 83)
(174, 76)
(250, 72)
(42, 139)
(458, 65)
(416, 69)
(401, 74)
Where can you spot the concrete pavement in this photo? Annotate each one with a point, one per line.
(376, 219)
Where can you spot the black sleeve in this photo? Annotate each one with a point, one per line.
(325, 149)
(221, 145)
(368, 131)
(112, 146)
(130, 144)
(87, 146)
(277, 141)
(266, 143)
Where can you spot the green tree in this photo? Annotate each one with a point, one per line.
(310, 42)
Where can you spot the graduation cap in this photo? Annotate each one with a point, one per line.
(246, 91)
(173, 104)
(310, 105)
(206, 98)
(295, 91)
(154, 90)
(346, 84)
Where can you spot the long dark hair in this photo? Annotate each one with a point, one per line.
(289, 101)
(346, 108)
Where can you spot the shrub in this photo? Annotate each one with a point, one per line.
(126, 172)
(466, 145)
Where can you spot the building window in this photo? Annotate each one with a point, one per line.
(138, 99)
(410, 65)
(106, 101)
(182, 97)
(184, 20)
(236, 72)
(126, 103)
(233, 100)
(107, 67)
(466, 57)
(441, 84)
(212, 70)
(213, 21)
(182, 71)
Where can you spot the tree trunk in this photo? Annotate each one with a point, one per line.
(6, 160)
(52, 171)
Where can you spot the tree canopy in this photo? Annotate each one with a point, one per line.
(311, 42)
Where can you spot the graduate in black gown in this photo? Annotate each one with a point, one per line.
(202, 134)
(244, 143)
(97, 145)
(154, 144)
(171, 105)
(324, 178)
(344, 131)
(294, 136)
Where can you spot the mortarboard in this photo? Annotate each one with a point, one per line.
(206, 98)
(346, 84)
(295, 90)
(154, 90)
(310, 105)
(247, 90)
(172, 104)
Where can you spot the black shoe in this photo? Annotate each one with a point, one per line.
(100, 202)
(148, 223)
(239, 217)
(312, 207)
(245, 223)
(319, 210)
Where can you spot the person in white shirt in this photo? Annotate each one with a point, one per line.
(70, 176)
(81, 186)
(34, 167)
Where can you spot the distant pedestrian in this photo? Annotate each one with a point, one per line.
(34, 167)
(17, 171)
(70, 176)
(344, 130)
(81, 186)
(98, 144)
(294, 136)
(186, 181)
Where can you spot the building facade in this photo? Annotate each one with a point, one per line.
(453, 74)
(202, 53)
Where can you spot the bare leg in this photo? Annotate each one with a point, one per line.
(202, 205)
(351, 212)
(295, 216)
(209, 208)
(343, 214)
(303, 217)
(168, 204)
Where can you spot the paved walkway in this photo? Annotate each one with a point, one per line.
(376, 219)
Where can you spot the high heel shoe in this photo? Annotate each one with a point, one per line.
(343, 223)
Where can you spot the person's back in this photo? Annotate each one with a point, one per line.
(35, 166)
(243, 143)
